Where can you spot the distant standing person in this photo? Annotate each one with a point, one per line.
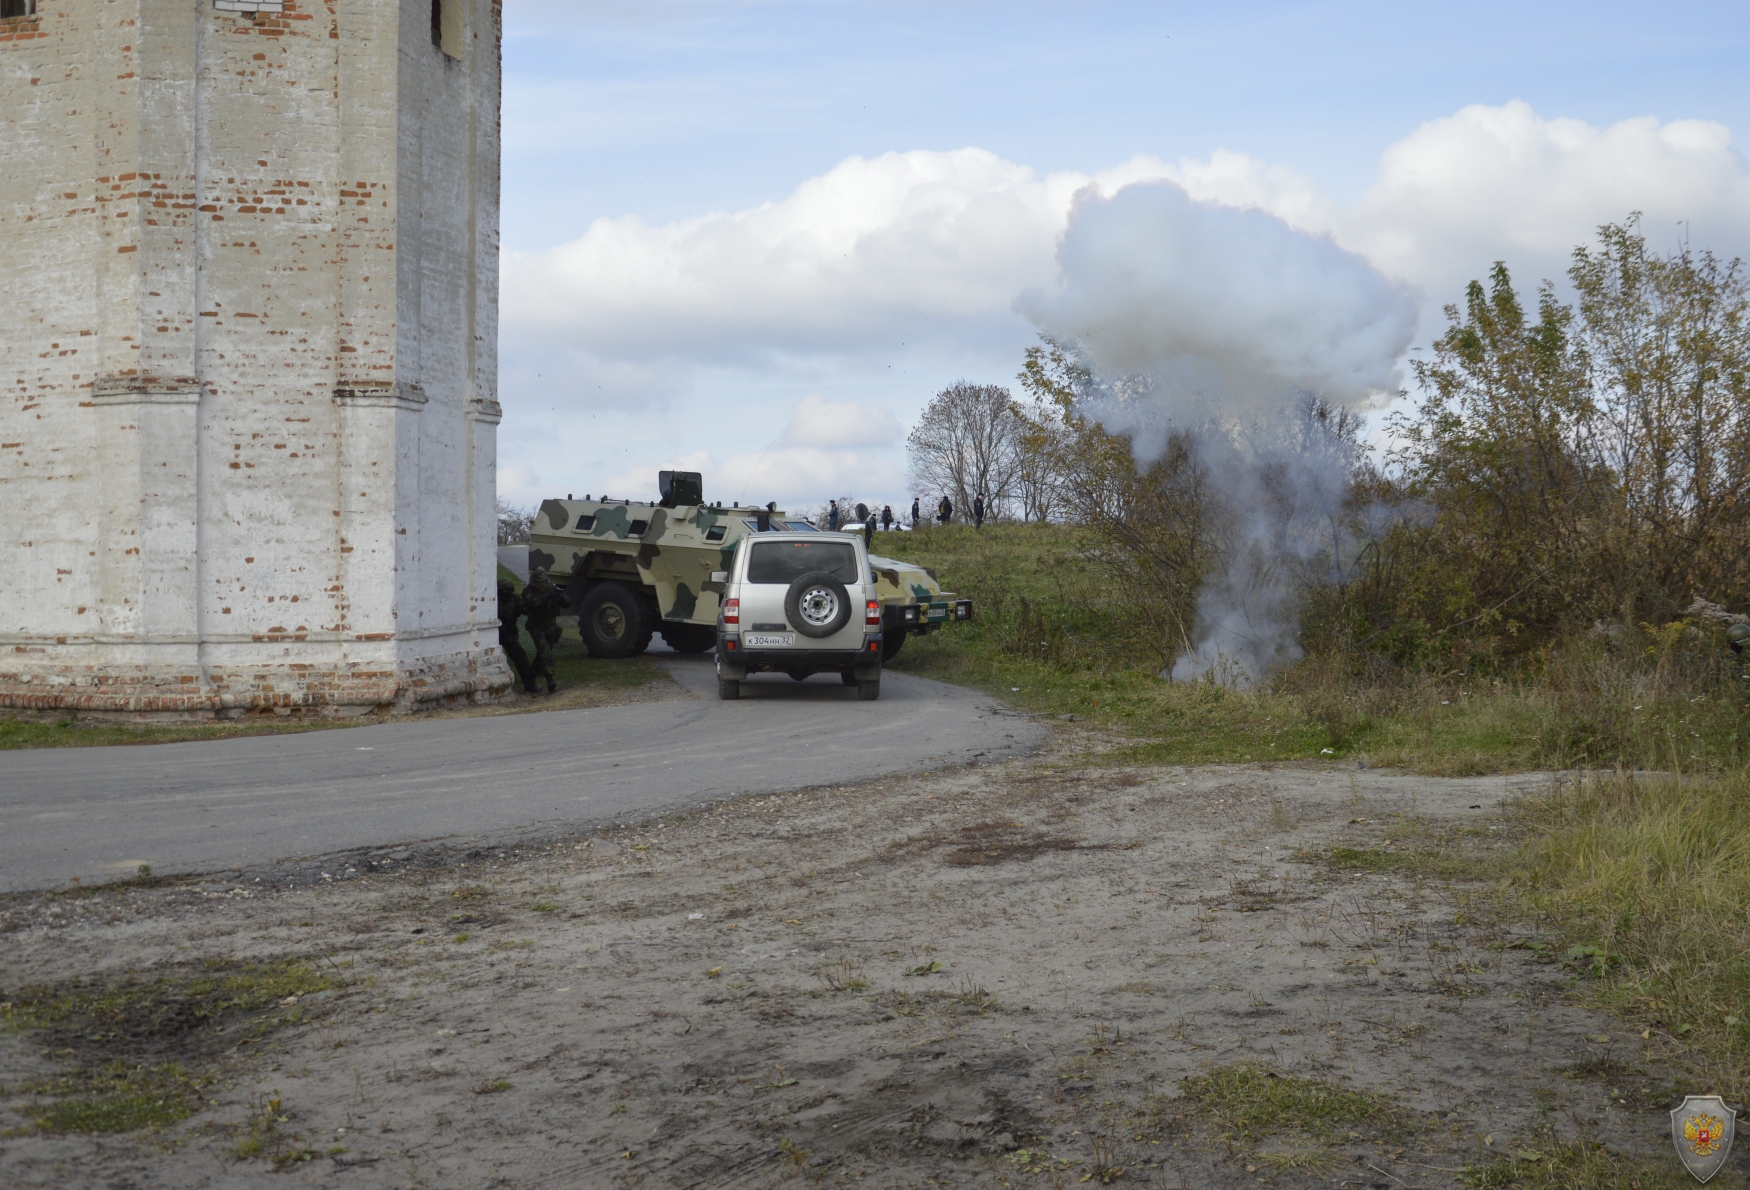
(887, 518)
(978, 511)
(914, 512)
(945, 511)
(832, 516)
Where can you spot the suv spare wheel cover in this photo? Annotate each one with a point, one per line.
(817, 604)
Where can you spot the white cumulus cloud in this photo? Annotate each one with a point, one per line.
(828, 447)
(879, 253)
(871, 249)
(892, 275)
(1504, 183)
(818, 422)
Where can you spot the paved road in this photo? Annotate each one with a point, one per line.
(98, 813)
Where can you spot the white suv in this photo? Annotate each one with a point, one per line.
(799, 603)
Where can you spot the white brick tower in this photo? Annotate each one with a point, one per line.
(248, 369)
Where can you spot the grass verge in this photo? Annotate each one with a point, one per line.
(67, 730)
(594, 681)
(1053, 634)
(584, 681)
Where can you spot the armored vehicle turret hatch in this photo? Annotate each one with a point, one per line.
(631, 569)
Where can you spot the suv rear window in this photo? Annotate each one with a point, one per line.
(787, 561)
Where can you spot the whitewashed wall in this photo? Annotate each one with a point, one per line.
(247, 434)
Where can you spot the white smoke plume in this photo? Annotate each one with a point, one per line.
(1233, 329)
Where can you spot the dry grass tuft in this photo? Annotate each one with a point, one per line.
(1647, 878)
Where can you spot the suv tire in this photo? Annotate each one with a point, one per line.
(728, 689)
(817, 604)
(612, 621)
(868, 690)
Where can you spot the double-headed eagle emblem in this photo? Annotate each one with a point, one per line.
(1703, 1133)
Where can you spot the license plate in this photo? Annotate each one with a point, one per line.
(771, 640)
(937, 613)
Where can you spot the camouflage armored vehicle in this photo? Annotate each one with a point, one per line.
(631, 569)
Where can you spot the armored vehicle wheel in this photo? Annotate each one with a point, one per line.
(891, 643)
(611, 621)
(652, 619)
(728, 689)
(817, 604)
(848, 677)
(689, 638)
(868, 691)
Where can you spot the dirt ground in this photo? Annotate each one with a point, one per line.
(1040, 973)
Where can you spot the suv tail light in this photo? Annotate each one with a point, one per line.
(732, 611)
(872, 612)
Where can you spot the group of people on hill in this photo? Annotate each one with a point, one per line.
(945, 510)
(944, 514)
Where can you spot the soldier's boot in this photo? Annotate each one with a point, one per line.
(519, 661)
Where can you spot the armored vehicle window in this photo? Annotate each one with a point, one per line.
(787, 561)
(801, 527)
(585, 524)
(636, 528)
(716, 532)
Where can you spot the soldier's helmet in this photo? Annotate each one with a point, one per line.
(539, 575)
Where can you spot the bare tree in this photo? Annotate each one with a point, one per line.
(513, 523)
(968, 441)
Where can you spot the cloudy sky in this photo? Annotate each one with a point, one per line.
(753, 239)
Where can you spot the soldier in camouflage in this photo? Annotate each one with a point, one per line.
(543, 605)
(509, 609)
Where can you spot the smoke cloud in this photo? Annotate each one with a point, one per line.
(1249, 339)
